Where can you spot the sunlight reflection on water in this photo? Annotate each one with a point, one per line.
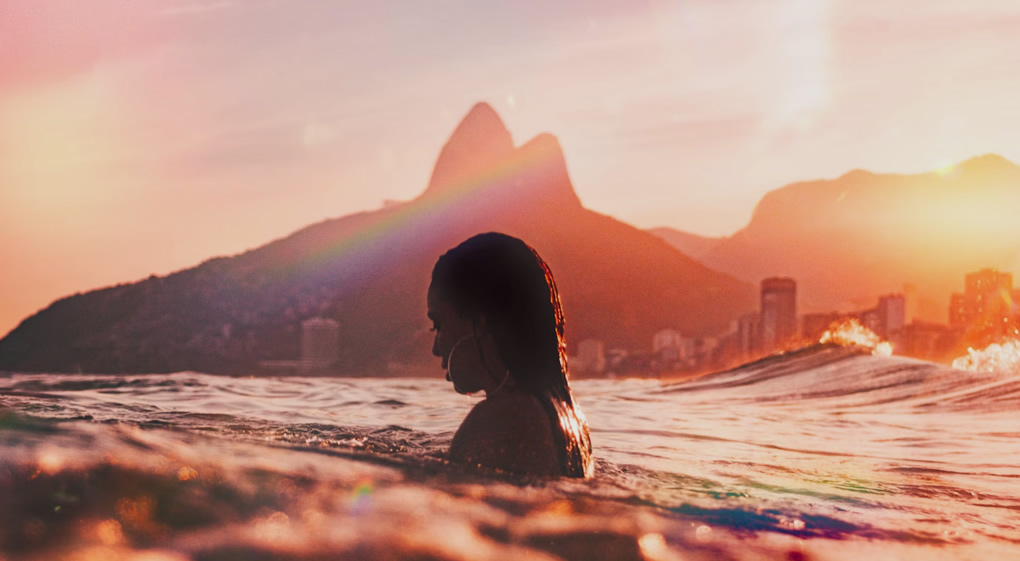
(827, 442)
(998, 357)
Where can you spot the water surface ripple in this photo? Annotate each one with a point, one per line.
(827, 453)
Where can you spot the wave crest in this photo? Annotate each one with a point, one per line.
(1001, 357)
(850, 332)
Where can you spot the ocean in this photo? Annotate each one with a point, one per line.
(825, 452)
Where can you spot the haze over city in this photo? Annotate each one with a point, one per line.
(143, 138)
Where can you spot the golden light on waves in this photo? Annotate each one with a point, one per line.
(850, 332)
(998, 357)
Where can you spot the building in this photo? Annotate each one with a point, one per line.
(891, 316)
(320, 343)
(671, 347)
(959, 310)
(591, 356)
(815, 325)
(666, 339)
(886, 320)
(749, 335)
(987, 309)
(911, 301)
(706, 348)
(927, 341)
(868, 319)
(987, 295)
(986, 281)
(778, 312)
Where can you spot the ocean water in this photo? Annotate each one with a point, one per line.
(826, 452)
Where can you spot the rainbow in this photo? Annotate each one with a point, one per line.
(434, 200)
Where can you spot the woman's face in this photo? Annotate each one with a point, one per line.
(456, 343)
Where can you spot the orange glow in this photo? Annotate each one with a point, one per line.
(273, 527)
(138, 515)
(1007, 299)
(136, 511)
(109, 532)
(654, 547)
(66, 141)
(851, 332)
(154, 119)
(51, 461)
(1001, 357)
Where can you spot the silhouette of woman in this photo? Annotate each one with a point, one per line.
(499, 330)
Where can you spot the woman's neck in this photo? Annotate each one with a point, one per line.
(503, 387)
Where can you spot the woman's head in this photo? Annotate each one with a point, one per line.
(494, 296)
(499, 284)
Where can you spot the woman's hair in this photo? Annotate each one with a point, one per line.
(504, 279)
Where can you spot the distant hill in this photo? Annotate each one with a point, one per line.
(850, 239)
(692, 245)
(370, 272)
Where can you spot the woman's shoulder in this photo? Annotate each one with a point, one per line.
(513, 416)
(512, 407)
(511, 432)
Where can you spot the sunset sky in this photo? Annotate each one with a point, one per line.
(141, 137)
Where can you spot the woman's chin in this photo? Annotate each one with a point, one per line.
(465, 390)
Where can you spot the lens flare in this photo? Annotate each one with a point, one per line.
(361, 496)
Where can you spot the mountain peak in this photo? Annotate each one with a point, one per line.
(988, 163)
(479, 143)
(481, 165)
(542, 176)
(482, 113)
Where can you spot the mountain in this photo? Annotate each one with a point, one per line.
(851, 239)
(692, 245)
(370, 272)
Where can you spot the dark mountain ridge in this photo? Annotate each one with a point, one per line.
(370, 271)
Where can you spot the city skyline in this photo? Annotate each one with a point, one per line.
(986, 312)
(143, 139)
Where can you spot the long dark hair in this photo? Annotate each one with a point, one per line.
(505, 279)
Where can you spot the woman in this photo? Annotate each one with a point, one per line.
(499, 330)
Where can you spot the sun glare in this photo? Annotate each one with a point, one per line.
(945, 169)
(57, 142)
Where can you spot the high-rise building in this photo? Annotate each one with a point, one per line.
(987, 297)
(892, 316)
(749, 334)
(320, 343)
(911, 301)
(959, 310)
(778, 312)
(987, 280)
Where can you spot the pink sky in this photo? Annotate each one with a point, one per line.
(141, 137)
